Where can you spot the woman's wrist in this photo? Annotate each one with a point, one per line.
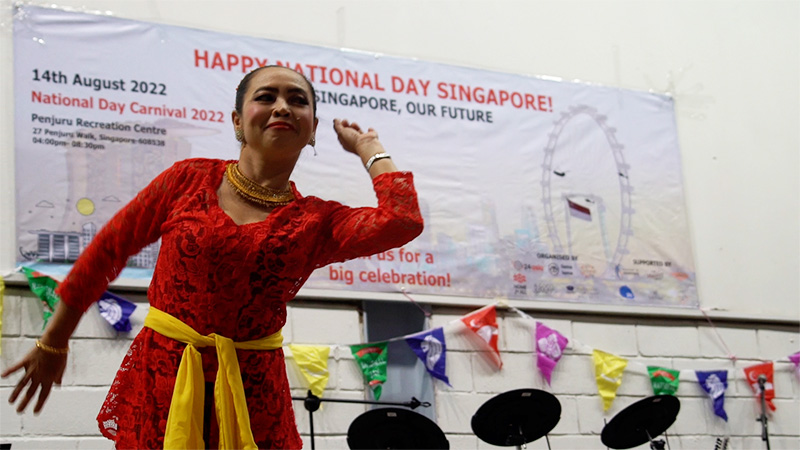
(50, 349)
(368, 150)
(375, 158)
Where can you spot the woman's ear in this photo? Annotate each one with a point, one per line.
(237, 120)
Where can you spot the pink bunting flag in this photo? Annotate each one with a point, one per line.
(483, 324)
(550, 345)
(796, 360)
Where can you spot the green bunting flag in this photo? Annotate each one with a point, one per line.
(45, 288)
(664, 381)
(371, 358)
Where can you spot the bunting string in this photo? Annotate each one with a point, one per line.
(731, 356)
(430, 347)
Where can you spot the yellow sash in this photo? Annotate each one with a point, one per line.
(185, 420)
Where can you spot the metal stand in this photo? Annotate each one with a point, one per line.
(655, 444)
(762, 380)
(312, 403)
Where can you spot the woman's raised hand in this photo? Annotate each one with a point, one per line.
(353, 138)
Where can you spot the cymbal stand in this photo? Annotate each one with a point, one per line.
(762, 380)
(312, 403)
(655, 444)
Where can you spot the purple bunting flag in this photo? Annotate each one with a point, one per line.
(796, 360)
(430, 348)
(116, 310)
(550, 345)
(715, 382)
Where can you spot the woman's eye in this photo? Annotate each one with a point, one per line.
(301, 100)
(265, 98)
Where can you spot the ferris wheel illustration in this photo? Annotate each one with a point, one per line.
(580, 204)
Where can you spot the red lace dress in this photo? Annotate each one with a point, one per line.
(219, 277)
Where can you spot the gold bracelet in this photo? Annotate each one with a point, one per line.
(54, 350)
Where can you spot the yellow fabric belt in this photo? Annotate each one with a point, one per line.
(185, 420)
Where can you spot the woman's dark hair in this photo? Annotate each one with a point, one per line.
(245, 84)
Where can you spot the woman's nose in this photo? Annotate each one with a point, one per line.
(281, 108)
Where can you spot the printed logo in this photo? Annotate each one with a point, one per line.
(432, 348)
(549, 346)
(553, 269)
(665, 374)
(655, 275)
(626, 292)
(520, 278)
(715, 386)
(680, 276)
(588, 270)
(110, 310)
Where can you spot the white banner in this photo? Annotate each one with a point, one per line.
(530, 188)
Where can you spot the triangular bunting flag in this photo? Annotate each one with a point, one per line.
(483, 324)
(2, 292)
(430, 348)
(608, 371)
(715, 382)
(550, 345)
(796, 360)
(116, 310)
(664, 381)
(43, 287)
(313, 363)
(753, 372)
(372, 358)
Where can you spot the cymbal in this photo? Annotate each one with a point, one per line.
(388, 428)
(641, 421)
(516, 417)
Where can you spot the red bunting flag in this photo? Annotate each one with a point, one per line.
(483, 324)
(753, 372)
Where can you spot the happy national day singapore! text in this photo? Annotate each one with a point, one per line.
(319, 74)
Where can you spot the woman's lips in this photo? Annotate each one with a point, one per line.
(281, 125)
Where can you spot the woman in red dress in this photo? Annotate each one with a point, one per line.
(237, 242)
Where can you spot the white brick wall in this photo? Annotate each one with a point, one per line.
(67, 421)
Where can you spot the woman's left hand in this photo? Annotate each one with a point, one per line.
(355, 140)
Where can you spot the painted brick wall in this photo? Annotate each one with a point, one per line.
(67, 421)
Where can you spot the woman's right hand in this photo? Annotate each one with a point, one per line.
(42, 370)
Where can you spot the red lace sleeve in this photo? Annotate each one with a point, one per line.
(365, 231)
(131, 229)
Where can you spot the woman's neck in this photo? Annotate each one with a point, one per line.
(271, 173)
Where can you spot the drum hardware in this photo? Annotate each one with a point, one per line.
(517, 417)
(390, 428)
(762, 380)
(642, 422)
(312, 403)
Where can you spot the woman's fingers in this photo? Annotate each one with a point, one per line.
(43, 394)
(20, 385)
(28, 396)
(14, 368)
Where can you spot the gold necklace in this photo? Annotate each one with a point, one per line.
(254, 192)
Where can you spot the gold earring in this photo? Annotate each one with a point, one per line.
(239, 135)
(313, 141)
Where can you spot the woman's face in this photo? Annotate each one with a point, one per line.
(277, 112)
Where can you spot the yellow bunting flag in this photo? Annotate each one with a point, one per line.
(608, 370)
(313, 363)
